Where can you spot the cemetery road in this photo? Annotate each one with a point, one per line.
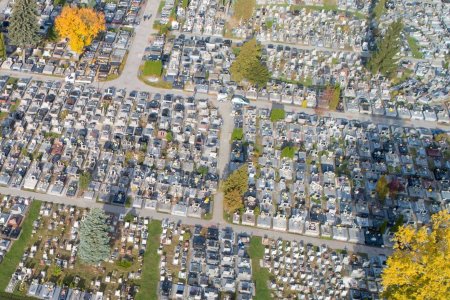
(334, 244)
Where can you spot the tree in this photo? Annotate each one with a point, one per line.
(383, 60)
(185, 4)
(24, 26)
(63, 115)
(129, 156)
(203, 170)
(335, 98)
(419, 268)
(234, 188)
(379, 9)
(394, 187)
(169, 136)
(382, 188)
(248, 65)
(80, 26)
(330, 97)
(94, 240)
(243, 9)
(233, 201)
(85, 180)
(442, 137)
(288, 152)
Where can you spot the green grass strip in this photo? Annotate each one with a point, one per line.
(150, 270)
(14, 255)
(261, 276)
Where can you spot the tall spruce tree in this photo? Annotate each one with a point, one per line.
(24, 27)
(383, 60)
(94, 241)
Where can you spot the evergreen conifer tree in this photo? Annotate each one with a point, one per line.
(24, 27)
(383, 60)
(94, 240)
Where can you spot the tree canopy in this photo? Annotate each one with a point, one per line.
(383, 60)
(24, 27)
(94, 240)
(288, 152)
(379, 9)
(420, 266)
(85, 180)
(80, 26)
(335, 97)
(234, 188)
(382, 188)
(243, 9)
(248, 65)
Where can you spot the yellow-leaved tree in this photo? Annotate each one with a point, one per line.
(420, 265)
(80, 26)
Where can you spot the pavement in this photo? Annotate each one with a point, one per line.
(142, 33)
(129, 79)
(85, 203)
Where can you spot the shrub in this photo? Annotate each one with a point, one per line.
(124, 263)
(277, 114)
(288, 152)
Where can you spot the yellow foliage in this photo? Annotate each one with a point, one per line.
(233, 201)
(234, 188)
(80, 26)
(419, 269)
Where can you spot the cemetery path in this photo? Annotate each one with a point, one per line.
(316, 48)
(142, 33)
(334, 244)
(223, 156)
(225, 109)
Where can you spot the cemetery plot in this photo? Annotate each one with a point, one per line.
(51, 265)
(199, 261)
(103, 59)
(308, 271)
(336, 178)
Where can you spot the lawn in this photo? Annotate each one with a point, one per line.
(238, 134)
(150, 271)
(415, 48)
(277, 114)
(160, 84)
(152, 68)
(261, 276)
(13, 257)
(8, 296)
